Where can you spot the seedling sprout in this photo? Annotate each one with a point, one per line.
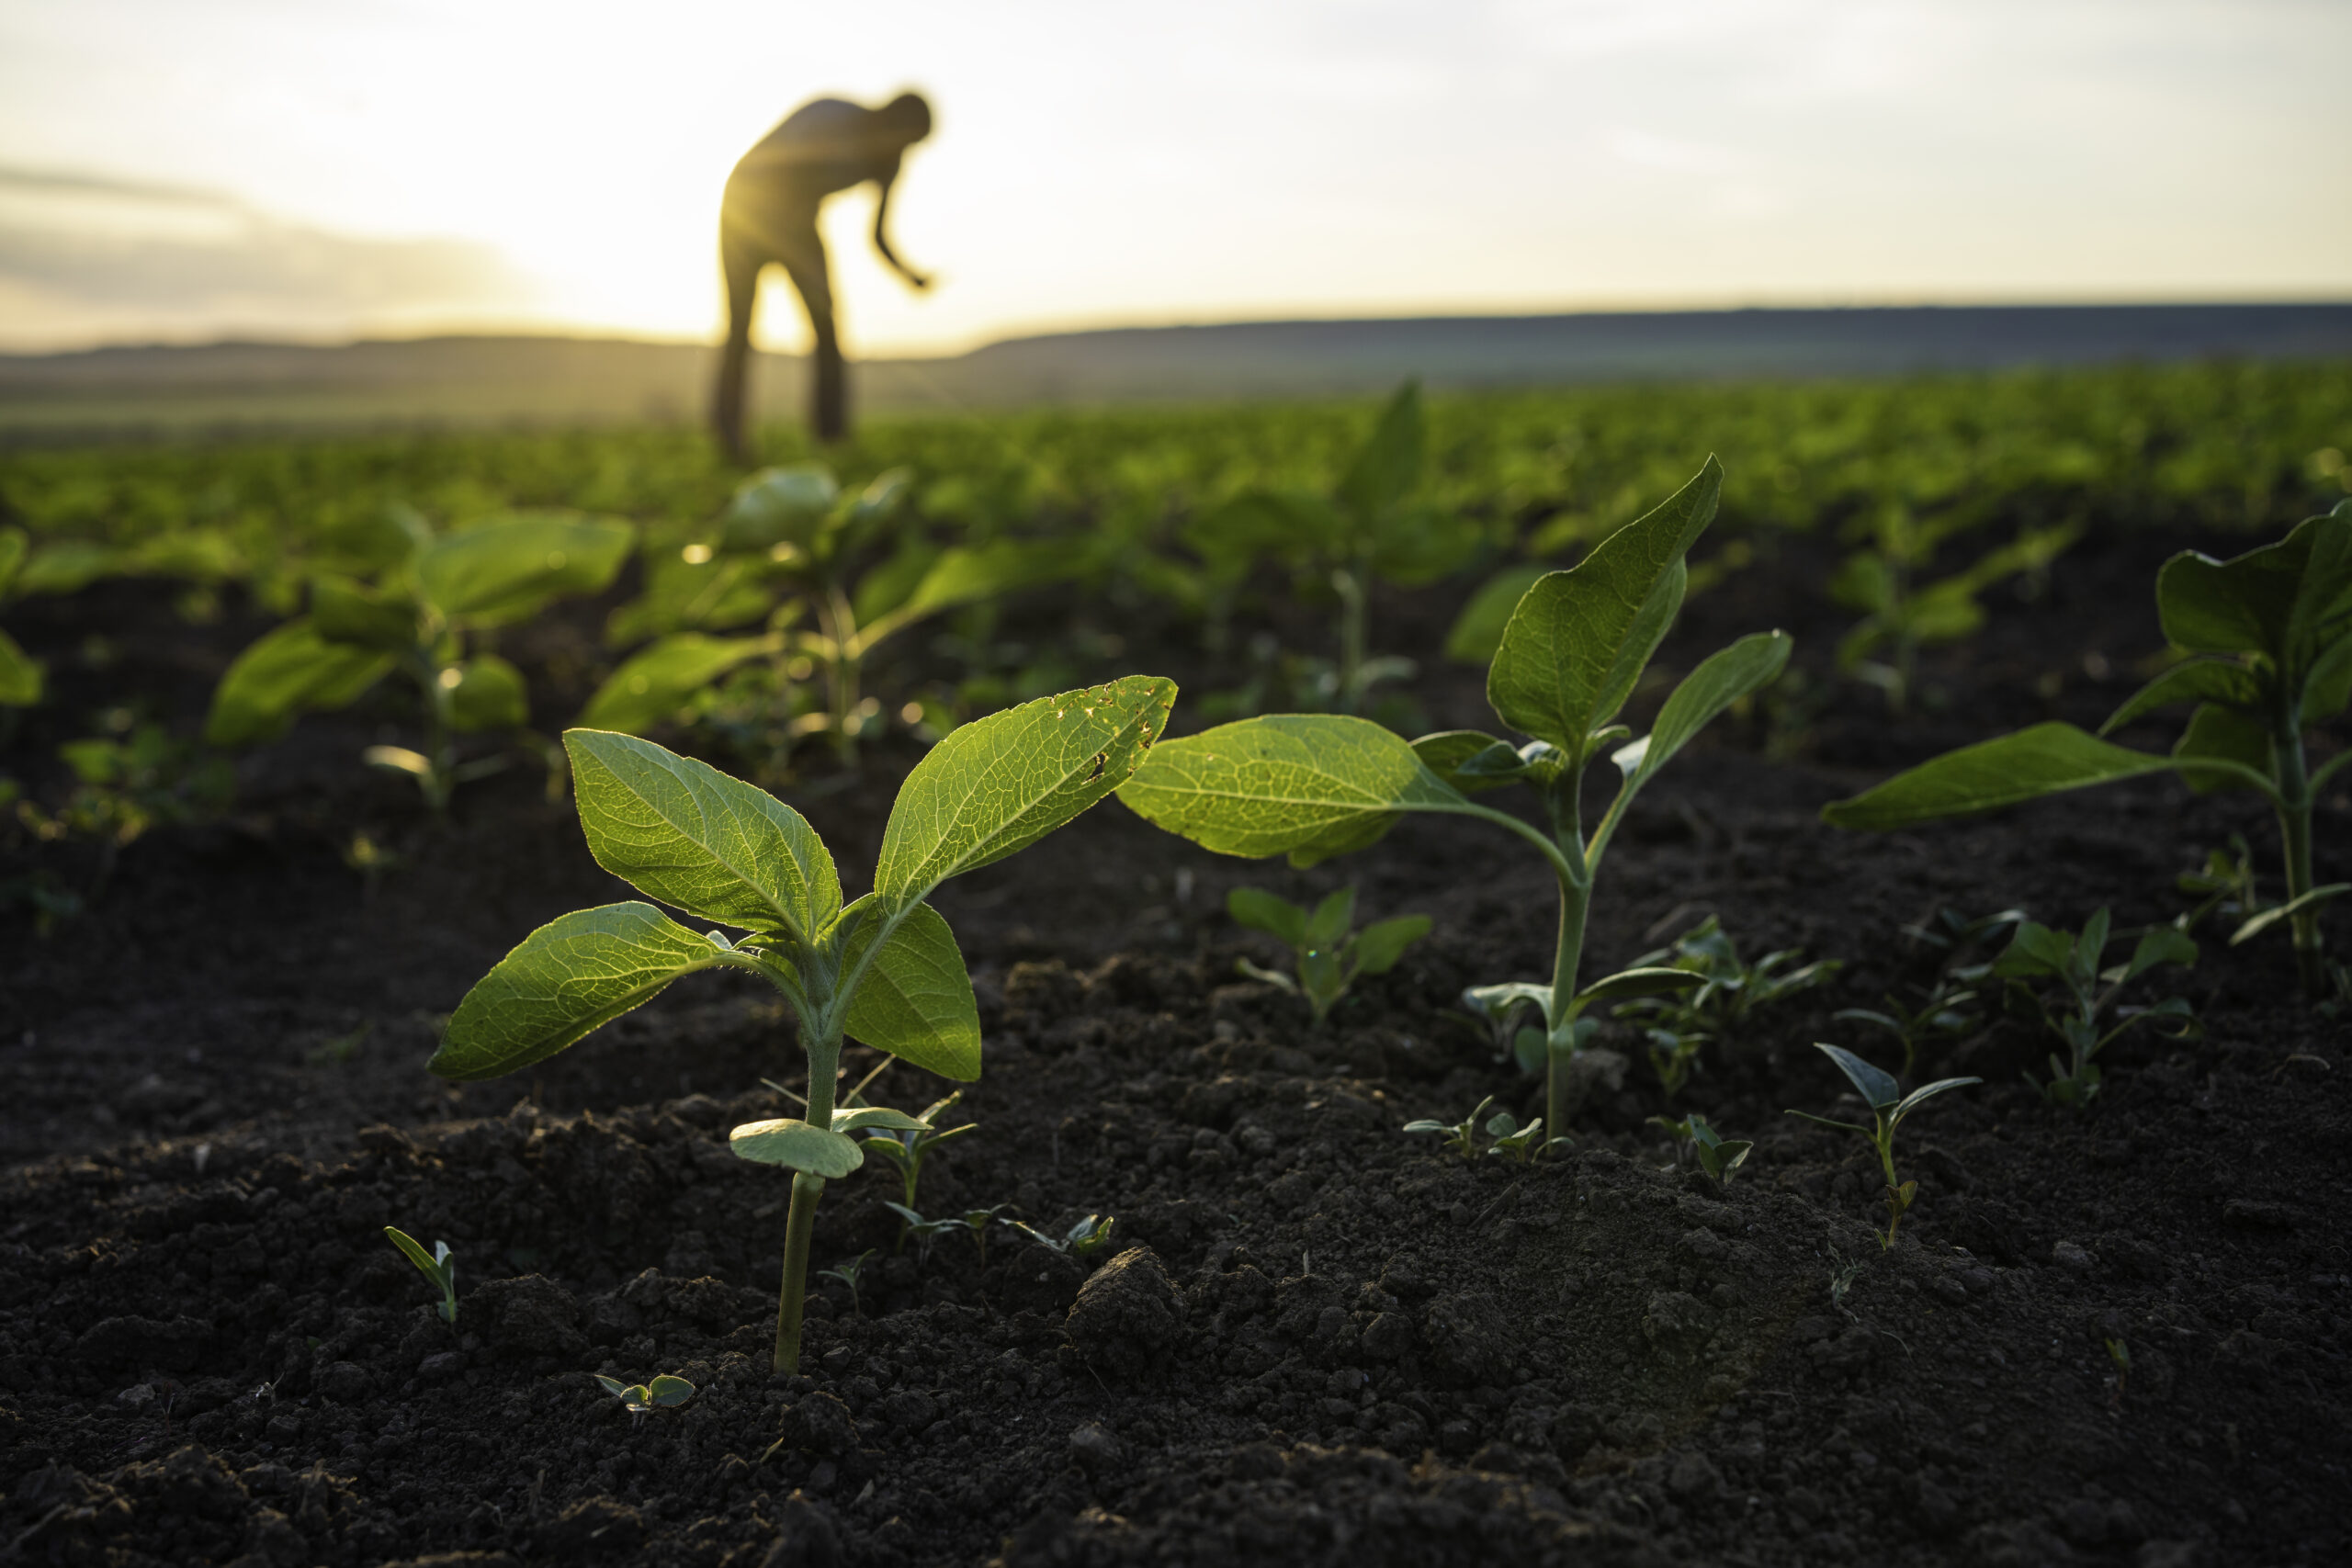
(439, 1266)
(1889, 1105)
(665, 1393)
(1327, 953)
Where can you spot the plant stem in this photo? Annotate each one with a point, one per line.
(801, 1221)
(1349, 582)
(2294, 807)
(1575, 902)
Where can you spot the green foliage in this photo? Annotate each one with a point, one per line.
(1904, 614)
(847, 1272)
(424, 614)
(1372, 527)
(1679, 1023)
(1089, 1237)
(1311, 787)
(437, 1266)
(1327, 953)
(639, 1400)
(1460, 1137)
(1888, 1106)
(2088, 1018)
(884, 969)
(1715, 1154)
(2266, 640)
(907, 1149)
(126, 783)
(830, 576)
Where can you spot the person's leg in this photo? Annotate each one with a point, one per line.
(803, 256)
(740, 262)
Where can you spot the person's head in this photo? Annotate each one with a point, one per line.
(907, 117)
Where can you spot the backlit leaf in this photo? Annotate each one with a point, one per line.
(286, 671)
(488, 695)
(2043, 760)
(1721, 679)
(507, 570)
(1878, 1087)
(797, 1145)
(1263, 911)
(656, 682)
(916, 999)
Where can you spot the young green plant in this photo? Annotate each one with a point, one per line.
(1889, 1105)
(2266, 644)
(1088, 1236)
(907, 1148)
(1326, 954)
(1902, 614)
(437, 1266)
(1312, 785)
(792, 545)
(1679, 1023)
(2089, 1019)
(640, 1400)
(884, 969)
(423, 617)
(1717, 1156)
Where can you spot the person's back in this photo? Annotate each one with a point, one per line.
(770, 215)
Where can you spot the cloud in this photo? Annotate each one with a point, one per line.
(86, 256)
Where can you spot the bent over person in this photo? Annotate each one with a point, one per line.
(770, 215)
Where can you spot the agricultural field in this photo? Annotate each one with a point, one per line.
(1740, 974)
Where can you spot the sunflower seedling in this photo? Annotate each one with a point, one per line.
(1314, 785)
(1715, 1154)
(1679, 1023)
(1889, 1105)
(906, 1148)
(1085, 1239)
(419, 616)
(2081, 1017)
(640, 1400)
(1460, 1137)
(847, 1272)
(2267, 641)
(439, 1266)
(885, 969)
(1326, 954)
(1512, 1140)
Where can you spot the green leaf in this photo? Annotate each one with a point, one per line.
(1328, 926)
(2163, 945)
(669, 1390)
(64, 566)
(797, 1145)
(1309, 785)
(488, 694)
(878, 1118)
(21, 675)
(684, 832)
(915, 1000)
(967, 575)
(563, 980)
(1387, 467)
(2206, 680)
(1262, 911)
(780, 506)
(2221, 735)
(2043, 760)
(1477, 632)
(286, 671)
(1912, 1102)
(1471, 761)
(1644, 982)
(1878, 1089)
(2327, 690)
(617, 1388)
(14, 543)
(345, 610)
(2280, 914)
(1000, 784)
(505, 571)
(1721, 679)
(1578, 641)
(656, 682)
(1289, 524)
(2274, 600)
(2035, 950)
(413, 1250)
(1381, 945)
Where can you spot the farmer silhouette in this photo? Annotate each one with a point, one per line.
(770, 215)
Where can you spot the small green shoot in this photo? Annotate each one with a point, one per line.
(1902, 614)
(884, 968)
(847, 1272)
(1889, 1105)
(1678, 1023)
(639, 1400)
(906, 1148)
(1315, 786)
(2226, 885)
(1328, 954)
(2266, 644)
(439, 1266)
(1512, 1140)
(1715, 1154)
(1085, 1239)
(1460, 1137)
(2081, 1017)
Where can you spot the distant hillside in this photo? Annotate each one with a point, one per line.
(542, 380)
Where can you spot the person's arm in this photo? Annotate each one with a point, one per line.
(881, 234)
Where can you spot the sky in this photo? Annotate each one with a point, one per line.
(184, 170)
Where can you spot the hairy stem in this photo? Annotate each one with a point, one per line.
(1575, 902)
(2294, 807)
(801, 1221)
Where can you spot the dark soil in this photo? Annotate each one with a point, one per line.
(1317, 1340)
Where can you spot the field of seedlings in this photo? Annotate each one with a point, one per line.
(1739, 974)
